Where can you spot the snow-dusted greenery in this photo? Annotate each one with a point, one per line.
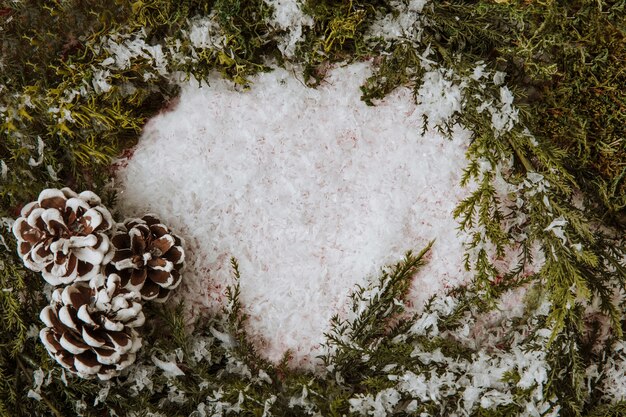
(544, 98)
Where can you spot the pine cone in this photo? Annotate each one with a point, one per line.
(148, 258)
(62, 235)
(91, 328)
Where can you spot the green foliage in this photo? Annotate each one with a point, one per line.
(375, 322)
(615, 410)
(570, 60)
(248, 39)
(338, 34)
(69, 108)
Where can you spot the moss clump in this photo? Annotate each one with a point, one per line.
(338, 34)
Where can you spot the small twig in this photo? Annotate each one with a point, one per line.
(529, 167)
(51, 406)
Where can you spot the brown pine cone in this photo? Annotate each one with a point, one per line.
(148, 257)
(63, 235)
(91, 328)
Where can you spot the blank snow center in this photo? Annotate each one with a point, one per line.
(311, 190)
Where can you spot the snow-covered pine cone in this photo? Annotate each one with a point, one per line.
(148, 257)
(63, 235)
(91, 327)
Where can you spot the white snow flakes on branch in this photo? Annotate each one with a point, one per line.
(168, 366)
(404, 24)
(479, 381)
(288, 16)
(505, 115)
(557, 228)
(439, 96)
(614, 372)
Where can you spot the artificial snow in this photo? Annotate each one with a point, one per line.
(405, 23)
(169, 366)
(311, 190)
(288, 16)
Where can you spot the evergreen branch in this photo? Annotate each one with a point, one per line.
(28, 376)
(374, 308)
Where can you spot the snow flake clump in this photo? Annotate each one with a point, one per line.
(439, 96)
(613, 385)
(204, 33)
(288, 16)
(124, 49)
(404, 24)
(504, 115)
(381, 406)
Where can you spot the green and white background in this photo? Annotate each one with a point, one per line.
(316, 142)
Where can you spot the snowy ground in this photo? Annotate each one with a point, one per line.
(310, 189)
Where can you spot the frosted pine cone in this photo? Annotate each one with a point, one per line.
(62, 235)
(91, 328)
(148, 258)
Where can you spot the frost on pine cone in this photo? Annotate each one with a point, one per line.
(91, 328)
(148, 258)
(63, 235)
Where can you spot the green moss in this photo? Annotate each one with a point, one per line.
(338, 34)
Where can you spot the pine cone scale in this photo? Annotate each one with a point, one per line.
(52, 198)
(125, 256)
(163, 244)
(162, 278)
(150, 290)
(50, 342)
(121, 240)
(72, 344)
(121, 341)
(86, 363)
(137, 240)
(175, 255)
(160, 263)
(49, 318)
(27, 232)
(138, 277)
(91, 220)
(93, 338)
(92, 253)
(68, 318)
(159, 230)
(40, 253)
(53, 220)
(76, 296)
(107, 356)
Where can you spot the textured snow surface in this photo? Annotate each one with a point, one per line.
(310, 189)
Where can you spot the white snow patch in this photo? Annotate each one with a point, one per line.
(40, 146)
(310, 189)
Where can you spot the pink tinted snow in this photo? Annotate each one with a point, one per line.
(311, 190)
